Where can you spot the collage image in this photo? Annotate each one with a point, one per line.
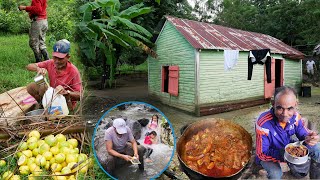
(159, 89)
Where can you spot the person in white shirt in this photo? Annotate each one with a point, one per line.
(310, 64)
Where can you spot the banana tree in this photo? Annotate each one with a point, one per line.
(110, 28)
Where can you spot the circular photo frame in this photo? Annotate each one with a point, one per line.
(133, 140)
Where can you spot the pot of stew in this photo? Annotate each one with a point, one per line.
(214, 148)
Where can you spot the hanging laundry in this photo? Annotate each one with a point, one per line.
(262, 56)
(230, 59)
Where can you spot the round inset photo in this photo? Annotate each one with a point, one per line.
(133, 140)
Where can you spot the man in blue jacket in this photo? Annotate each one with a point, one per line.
(274, 129)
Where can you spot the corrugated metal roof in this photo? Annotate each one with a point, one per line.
(210, 36)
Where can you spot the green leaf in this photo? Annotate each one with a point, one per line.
(116, 38)
(132, 26)
(158, 1)
(134, 11)
(137, 35)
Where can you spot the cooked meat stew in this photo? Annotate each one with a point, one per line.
(216, 151)
(297, 151)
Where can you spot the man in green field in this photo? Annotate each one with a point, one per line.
(39, 26)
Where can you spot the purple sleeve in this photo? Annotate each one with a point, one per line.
(301, 130)
(107, 136)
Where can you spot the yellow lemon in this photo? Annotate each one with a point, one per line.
(71, 158)
(48, 155)
(72, 177)
(55, 150)
(73, 142)
(60, 138)
(2, 163)
(35, 152)
(47, 166)
(82, 157)
(66, 170)
(31, 160)
(15, 177)
(35, 134)
(32, 139)
(7, 175)
(40, 160)
(51, 140)
(24, 170)
(83, 169)
(52, 160)
(60, 157)
(40, 142)
(37, 171)
(32, 167)
(22, 160)
(23, 146)
(44, 148)
(55, 167)
(27, 153)
(70, 165)
(74, 151)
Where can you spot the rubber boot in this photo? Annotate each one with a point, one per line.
(314, 170)
(45, 55)
(37, 57)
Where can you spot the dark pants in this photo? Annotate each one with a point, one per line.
(149, 152)
(115, 162)
(275, 172)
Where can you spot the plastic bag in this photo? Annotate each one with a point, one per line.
(55, 103)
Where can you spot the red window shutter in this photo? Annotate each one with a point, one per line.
(173, 80)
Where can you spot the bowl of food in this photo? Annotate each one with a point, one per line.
(296, 153)
(214, 148)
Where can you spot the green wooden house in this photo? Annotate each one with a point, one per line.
(190, 73)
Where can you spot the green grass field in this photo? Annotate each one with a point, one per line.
(15, 54)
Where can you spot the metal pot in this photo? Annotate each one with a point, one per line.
(194, 128)
(295, 160)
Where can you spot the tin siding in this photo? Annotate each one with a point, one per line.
(218, 85)
(292, 73)
(173, 49)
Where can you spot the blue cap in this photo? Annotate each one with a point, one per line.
(61, 48)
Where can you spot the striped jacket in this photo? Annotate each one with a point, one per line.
(271, 138)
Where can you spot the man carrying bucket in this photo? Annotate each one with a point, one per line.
(63, 75)
(274, 129)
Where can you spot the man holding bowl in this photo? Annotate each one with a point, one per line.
(274, 129)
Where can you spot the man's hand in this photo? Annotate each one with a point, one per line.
(136, 155)
(42, 71)
(22, 7)
(312, 139)
(126, 157)
(61, 90)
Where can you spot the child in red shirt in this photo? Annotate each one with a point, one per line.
(150, 139)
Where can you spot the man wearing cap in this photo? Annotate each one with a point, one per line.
(39, 26)
(121, 146)
(63, 75)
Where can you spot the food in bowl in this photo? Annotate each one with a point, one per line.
(297, 151)
(216, 151)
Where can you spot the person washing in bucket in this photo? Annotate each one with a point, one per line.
(63, 75)
(39, 26)
(121, 146)
(273, 131)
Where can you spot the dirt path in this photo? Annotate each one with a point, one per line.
(136, 89)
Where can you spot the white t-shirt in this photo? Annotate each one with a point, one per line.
(310, 64)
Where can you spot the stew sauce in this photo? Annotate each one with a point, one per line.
(216, 153)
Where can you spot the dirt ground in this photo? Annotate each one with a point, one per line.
(134, 88)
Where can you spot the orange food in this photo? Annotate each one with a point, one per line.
(217, 153)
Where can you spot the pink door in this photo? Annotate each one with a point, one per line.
(269, 87)
(173, 80)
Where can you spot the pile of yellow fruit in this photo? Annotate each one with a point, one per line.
(55, 154)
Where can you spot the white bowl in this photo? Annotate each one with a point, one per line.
(295, 160)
